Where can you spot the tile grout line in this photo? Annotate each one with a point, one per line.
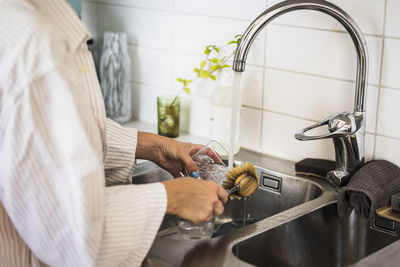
(323, 29)
(106, 3)
(172, 46)
(263, 88)
(380, 84)
(173, 11)
(389, 137)
(315, 75)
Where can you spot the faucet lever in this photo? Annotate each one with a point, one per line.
(339, 125)
(344, 129)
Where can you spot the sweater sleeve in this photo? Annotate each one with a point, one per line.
(120, 153)
(52, 181)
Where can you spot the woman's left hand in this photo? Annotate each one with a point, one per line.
(174, 156)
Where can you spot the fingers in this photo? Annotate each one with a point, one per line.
(218, 208)
(222, 195)
(220, 198)
(189, 163)
(195, 200)
(193, 148)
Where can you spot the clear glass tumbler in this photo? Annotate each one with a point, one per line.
(168, 115)
(211, 167)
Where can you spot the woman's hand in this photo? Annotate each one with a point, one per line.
(194, 199)
(169, 154)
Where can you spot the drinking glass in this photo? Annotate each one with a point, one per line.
(211, 167)
(168, 115)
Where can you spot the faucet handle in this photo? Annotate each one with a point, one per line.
(339, 125)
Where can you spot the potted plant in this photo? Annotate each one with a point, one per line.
(168, 106)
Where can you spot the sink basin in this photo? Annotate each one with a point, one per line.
(318, 238)
(280, 193)
(276, 193)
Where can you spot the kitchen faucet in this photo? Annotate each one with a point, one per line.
(347, 130)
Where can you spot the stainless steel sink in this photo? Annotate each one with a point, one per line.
(148, 172)
(276, 193)
(293, 222)
(319, 238)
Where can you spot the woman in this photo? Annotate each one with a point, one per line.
(58, 152)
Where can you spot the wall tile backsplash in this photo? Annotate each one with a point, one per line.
(301, 68)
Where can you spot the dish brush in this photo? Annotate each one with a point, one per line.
(241, 181)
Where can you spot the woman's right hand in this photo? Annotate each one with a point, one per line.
(195, 200)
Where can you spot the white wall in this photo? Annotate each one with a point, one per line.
(300, 70)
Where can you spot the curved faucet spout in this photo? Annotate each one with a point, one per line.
(349, 138)
(239, 61)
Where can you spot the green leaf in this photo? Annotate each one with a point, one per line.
(203, 63)
(179, 80)
(214, 60)
(187, 90)
(189, 81)
(207, 51)
(225, 66)
(213, 77)
(196, 70)
(204, 74)
(222, 59)
(231, 42)
(215, 67)
(216, 49)
(238, 35)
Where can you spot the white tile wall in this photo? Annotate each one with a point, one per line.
(237, 8)
(154, 4)
(368, 14)
(391, 63)
(393, 18)
(200, 116)
(318, 52)
(313, 98)
(388, 148)
(369, 146)
(192, 34)
(389, 113)
(252, 86)
(144, 101)
(151, 66)
(278, 139)
(145, 27)
(300, 70)
(89, 17)
(251, 120)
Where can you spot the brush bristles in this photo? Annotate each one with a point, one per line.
(236, 174)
